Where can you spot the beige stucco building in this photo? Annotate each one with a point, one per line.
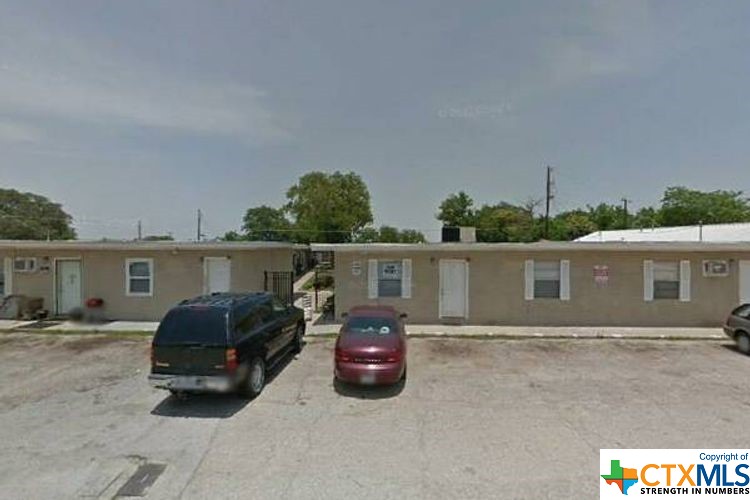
(547, 283)
(137, 280)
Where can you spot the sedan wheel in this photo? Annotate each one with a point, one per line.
(743, 343)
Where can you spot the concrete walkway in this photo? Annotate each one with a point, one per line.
(52, 326)
(463, 331)
(562, 332)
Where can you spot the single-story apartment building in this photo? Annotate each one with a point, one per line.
(136, 280)
(546, 283)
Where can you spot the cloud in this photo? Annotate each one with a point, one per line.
(61, 77)
(17, 132)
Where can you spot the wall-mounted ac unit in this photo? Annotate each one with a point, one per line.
(715, 268)
(24, 264)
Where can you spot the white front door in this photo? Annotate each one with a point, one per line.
(68, 291)
(745, 282)
(454, 288)
(217, 274)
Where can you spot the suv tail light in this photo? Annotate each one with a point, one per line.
(231, 360)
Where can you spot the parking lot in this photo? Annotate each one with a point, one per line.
(476, 418)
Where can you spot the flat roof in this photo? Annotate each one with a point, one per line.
(541, 246)
(143, 245)
(713, 233)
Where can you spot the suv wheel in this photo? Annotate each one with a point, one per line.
(743, 342)
(255, 380)
(298, 342)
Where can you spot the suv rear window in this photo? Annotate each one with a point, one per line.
(371, 325)
(193, 325)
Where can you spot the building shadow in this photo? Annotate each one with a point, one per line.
(368, 391)
(211, 405)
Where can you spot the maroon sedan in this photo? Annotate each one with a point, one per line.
(371, 347)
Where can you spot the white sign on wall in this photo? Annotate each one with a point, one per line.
(356, 267)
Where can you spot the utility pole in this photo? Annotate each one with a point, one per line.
(199, 225)
(625, 211)
(140, 234)
(548, 198)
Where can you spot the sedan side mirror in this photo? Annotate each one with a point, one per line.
(403, 316)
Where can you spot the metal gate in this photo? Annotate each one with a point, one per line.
(281, 284)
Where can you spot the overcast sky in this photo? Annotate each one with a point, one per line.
(151, 109)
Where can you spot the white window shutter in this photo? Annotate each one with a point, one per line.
(529, 280)
(372, 279)
(564, 280)
(648, 280)
(8, 272)
(685, 281)
(406, 279)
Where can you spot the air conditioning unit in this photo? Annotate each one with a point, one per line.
(715, 268)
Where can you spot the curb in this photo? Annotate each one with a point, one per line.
(543, 336)
(116, 333)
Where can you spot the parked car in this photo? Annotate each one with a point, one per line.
(371, 347)
(223, 343)
(737, 326)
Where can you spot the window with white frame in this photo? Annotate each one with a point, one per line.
(24, 264)
(666, 280)
(547, 279)
(139, 277)
(389, 278)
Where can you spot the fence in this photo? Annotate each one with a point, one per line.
(281, 284)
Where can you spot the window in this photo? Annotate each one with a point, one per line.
(139, 277)
(2, 282)
(666, 280)
(24, 264)
(389, 278)
(546, 280)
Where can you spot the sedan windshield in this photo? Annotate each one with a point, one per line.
(370, 325)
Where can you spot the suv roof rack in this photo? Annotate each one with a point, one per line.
(226, 300)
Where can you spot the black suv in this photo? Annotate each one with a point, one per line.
(223, 342)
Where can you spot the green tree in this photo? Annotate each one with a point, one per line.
(411, 236)
(570, 225)
(503, 222)
(647, 217)
(456, 210)
(606, 216)
(266, 223)
(367, 234)
(681, 206)
(28, 216)
(388, 234)
(329, 208)
(232, 236)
